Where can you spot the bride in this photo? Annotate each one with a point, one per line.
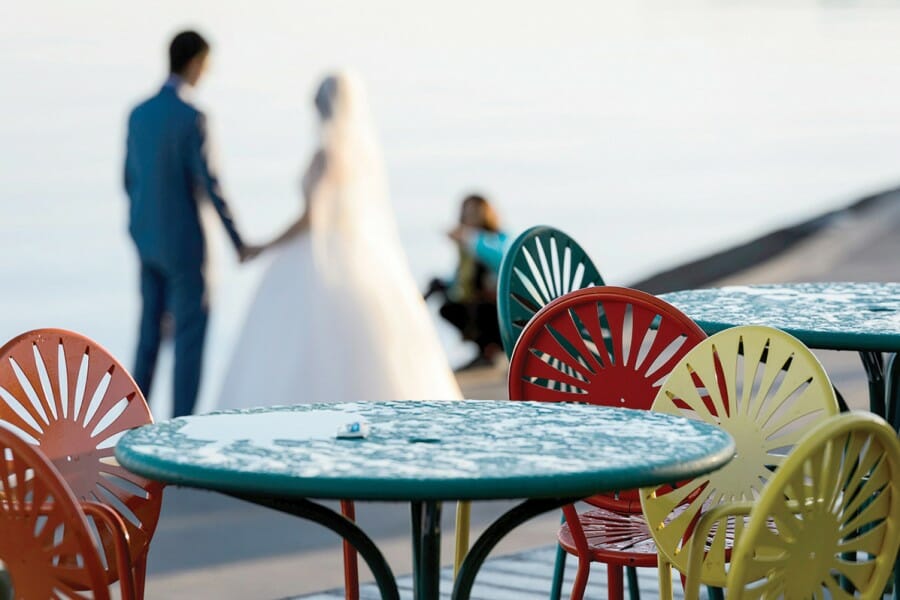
(338, 317)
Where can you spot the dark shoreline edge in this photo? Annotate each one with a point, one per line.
(708, 269)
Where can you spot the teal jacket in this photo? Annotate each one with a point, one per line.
(167, 174)
(489, 247)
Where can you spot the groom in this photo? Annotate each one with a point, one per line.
(167, 174)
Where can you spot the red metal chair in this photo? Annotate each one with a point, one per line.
(613, 347)
(64, 393)
(45, 541)
(351, 561)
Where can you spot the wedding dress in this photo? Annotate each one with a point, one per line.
(337, 316)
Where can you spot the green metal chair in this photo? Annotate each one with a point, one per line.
(541, 265)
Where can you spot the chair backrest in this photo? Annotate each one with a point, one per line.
(766, 389)
(838, 493)
(601, 345)
(45, 541)
(542, 264)
(66, 394)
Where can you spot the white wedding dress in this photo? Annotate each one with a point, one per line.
(337, 316)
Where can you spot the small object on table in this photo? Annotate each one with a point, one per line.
(353, 430)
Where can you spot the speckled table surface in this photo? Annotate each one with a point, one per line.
(451, 450)
(835, 316)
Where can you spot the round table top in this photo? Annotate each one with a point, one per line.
(834, 316)
(444, 450)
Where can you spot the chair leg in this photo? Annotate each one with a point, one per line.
(714, 593)
(5, 585)
(559, 571)
(892, 395)
(892, 391)
(581, 579)
(615, 583)
(665, 578)
(351, 569)
(463, 516)
(140, 576)
(896, 590)
(634, 591)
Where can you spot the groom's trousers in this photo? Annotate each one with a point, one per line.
(180, 293)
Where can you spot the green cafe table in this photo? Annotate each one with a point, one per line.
(863, 317)
(424, 453)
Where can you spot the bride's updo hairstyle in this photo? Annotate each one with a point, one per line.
(325, 97)
(340, 97)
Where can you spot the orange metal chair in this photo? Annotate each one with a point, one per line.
(351, 561)
(45, 540)
(613, 347)
(64, 393)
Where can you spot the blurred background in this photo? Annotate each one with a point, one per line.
(653, 132)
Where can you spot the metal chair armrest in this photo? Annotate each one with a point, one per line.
(697, 547)
(578, 536)
(116, 527)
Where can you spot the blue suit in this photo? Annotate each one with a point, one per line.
(167, 175)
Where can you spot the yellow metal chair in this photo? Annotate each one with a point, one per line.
(766, 389)
(837, 494)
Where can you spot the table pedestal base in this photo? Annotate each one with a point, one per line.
(426, 546)
(347, 529)
(426, 541)
(492, 536)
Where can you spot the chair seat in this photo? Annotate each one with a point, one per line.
(613, 538)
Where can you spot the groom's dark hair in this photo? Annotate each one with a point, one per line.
(184, 47)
